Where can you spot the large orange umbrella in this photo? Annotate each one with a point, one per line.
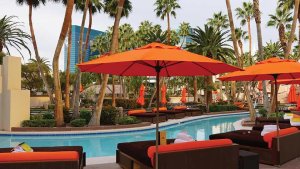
(288, 81)
(163, 94)
(183, 95)
(292, 98)
(141, 99)
(270, 69)
(156, 59)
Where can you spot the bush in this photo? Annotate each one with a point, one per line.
(85, 114)
(128, 120)
(273, 115)
(51, 106)
(108, 115)
(39, 123)
(220, 108)
(48, 116)
(67, 116)
(262, 112)
(37, 117)
(78, 123)
(125, 103)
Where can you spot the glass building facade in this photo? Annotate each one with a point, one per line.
(75, 47)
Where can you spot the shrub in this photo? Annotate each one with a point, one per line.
(262, 112)
(78, 123)
(85, 114)
(125, 103)
(67, 116)
(39, 123)
(273, 115)
(48, 116)
(128, 120)
(51, 106)
(108, 115)
(36, 117)
(220, 108)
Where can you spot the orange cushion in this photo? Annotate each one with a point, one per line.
(160, 109)
(39, 156)
(136, 111)
(179, 108)
(188, 146)
(296, 116)
(269, 136)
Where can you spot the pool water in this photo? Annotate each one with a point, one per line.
(100, 145)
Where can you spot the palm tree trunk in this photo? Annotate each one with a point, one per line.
(97, 114)
(58, 97)
(250, 41)
(251, 108)
(298, 57)
(282, 39)
(80, 58)
(113, 97)
(1, 46)
(221, 90)
(154, 93)
(67, 89)
(87, 39)
(208, 84)
(195, 89)
(257, 17)
(169, 29)
(37, 56)
(233, 90)
(292, 34)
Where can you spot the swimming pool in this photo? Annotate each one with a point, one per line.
(100, 145)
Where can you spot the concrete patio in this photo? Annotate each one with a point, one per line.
(294, 164)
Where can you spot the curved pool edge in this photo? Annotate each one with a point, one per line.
(169, 123)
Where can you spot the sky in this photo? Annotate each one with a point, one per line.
(48, 19)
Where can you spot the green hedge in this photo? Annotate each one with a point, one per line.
(48, 116)
(108, 115)
(128, 120)
(85, 114)
(125, 103)
(39, 123)
(220, 108)
(78, 123)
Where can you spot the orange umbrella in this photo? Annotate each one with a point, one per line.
(292, 98)
(270, 69)
(298, 103)
(141, 99)
(288, 81)
(163, 94)
(81, 88)
(260, 86)
(183, 95)
(156, 59)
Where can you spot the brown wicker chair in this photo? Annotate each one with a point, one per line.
(79, 164)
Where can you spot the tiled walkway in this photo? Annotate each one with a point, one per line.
(295, 164)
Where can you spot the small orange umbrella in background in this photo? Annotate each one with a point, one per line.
(260, 86)
(141, 99)
(298, 103)
(292, 98)
(183, 95)
(163, 94)
(81, 88)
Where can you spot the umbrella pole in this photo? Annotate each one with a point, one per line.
(158, 68)
(276, 110)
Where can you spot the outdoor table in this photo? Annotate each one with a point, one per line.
(248, 160)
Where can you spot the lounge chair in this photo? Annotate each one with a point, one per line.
(172, 114)
(190, 155)
(66, 157)
(266, 146)
(145, 116)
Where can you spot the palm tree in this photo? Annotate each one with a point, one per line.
(117, 8)
(184, 31)
(281, 20)
(33, 4)
(211, 43)
(240, 36)
(12, 36)
(240, 62)
(165, 8)
(44, 64)
(219, 21)
(58, 95)
(272, 49)
(246, 14)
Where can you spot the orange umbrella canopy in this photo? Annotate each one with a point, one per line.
(141, 99)
(163, 94)
(266, 70)
(292, 98)
(288, 81)
(298, 103)
(260, 86)
(183, 95)
(147, 60)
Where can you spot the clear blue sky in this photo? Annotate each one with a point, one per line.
(48, 19)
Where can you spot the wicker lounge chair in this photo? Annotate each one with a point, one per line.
(136, 154)
(150, 117)
(59, 161)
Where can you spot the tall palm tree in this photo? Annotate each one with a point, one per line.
(118, 8)
(241, 35)
(184, 31)
(11, 35)
(33, 4)
(219, 21)
(211, 43)
(165, 8)
(246, 14)
(282, 21)
(240, 62)
(57, 86)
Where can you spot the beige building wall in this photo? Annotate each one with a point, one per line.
(15, 102)
(39, 101)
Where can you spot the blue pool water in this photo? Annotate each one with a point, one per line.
(99, 145)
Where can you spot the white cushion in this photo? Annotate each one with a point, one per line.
(268, 129)
(288, 116)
